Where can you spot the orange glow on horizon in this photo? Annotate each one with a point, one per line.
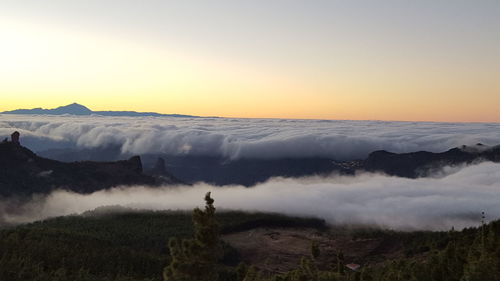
(48, 66)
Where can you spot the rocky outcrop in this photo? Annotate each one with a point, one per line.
(24, 173)
(14, 138)
(159, 171)
(135, 164)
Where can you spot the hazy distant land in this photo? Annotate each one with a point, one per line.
(78, 109)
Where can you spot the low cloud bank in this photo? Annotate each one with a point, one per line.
(245, 138)
(426, 203)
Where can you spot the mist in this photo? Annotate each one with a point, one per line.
(244, 138)
(455, 200)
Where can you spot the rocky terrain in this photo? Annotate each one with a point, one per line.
(23, 173)
(278, 250)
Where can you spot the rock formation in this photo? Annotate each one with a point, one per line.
(25, 173)
(14, 137)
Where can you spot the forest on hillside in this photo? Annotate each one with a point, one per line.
(127, 245)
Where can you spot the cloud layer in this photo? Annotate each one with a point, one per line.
(245, 138)
(426, 203)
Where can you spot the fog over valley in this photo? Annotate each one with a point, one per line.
(447, 196)
(455, 200)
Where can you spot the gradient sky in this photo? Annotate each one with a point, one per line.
(436, 60)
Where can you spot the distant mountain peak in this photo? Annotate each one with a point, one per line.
(78, 109)
(75, 104)
(73, 109)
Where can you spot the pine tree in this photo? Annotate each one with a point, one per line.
(195, 259)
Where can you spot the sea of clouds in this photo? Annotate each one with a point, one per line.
(244, 138)
(455, 200)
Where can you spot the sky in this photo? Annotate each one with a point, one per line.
(426, 60)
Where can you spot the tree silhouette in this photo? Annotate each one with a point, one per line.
(196, 259)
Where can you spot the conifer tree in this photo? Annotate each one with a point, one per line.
(195, 259)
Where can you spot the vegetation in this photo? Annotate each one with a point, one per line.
(130, 245)
(115, 244)
(469, 255)
(196, 258)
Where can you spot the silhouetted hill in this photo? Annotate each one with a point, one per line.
(248, 172)
(78, 109)
(73, 109)
(423, 163)
(25, 173)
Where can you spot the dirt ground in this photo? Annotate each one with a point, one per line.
(278, 250)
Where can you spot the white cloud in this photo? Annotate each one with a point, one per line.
(251, 138)
(425, 203)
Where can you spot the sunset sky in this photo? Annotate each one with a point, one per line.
(433, 60)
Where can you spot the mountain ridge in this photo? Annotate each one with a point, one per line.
(81, 110)
(26, 173)
(249, 172)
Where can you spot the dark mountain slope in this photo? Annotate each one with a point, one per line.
(22, 172)
(422, 163)
(248, 172)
